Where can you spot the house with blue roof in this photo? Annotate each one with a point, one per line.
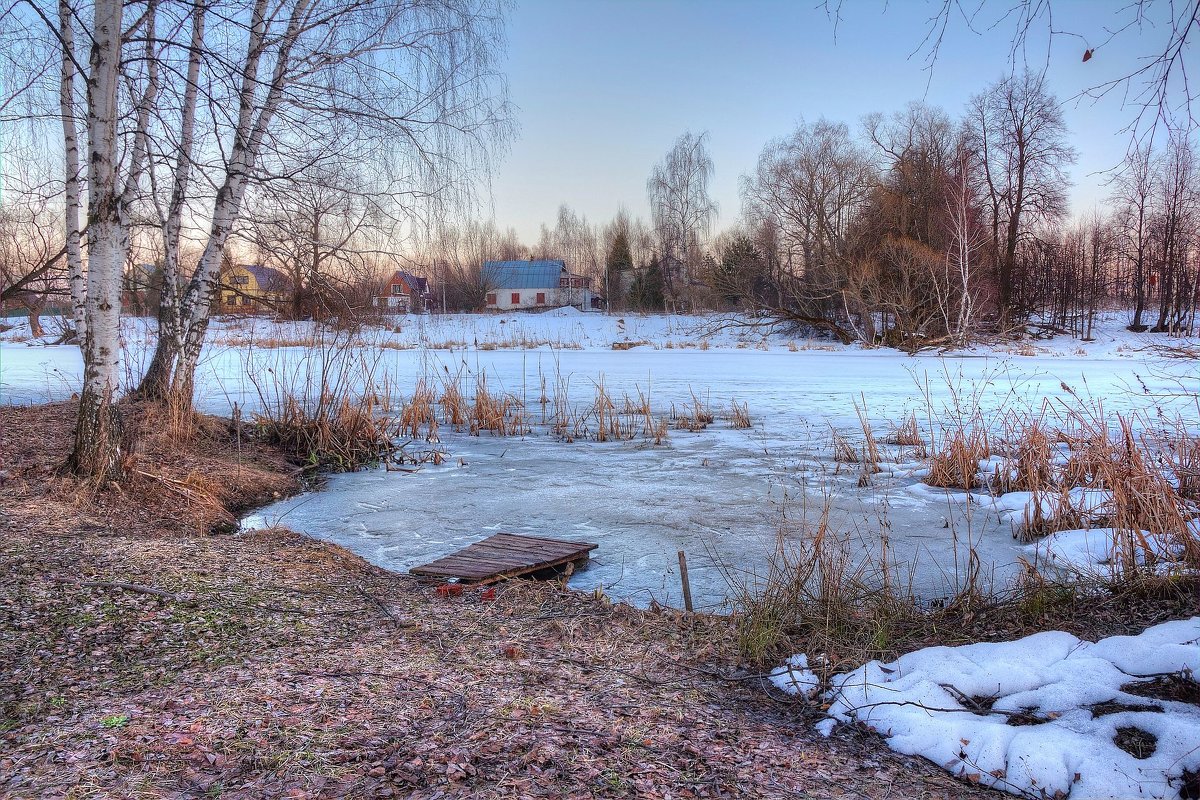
(534, 284)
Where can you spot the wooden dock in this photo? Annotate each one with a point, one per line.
(505, 555)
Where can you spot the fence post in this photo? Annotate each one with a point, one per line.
(683, 576)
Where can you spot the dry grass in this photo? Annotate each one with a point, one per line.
(907, 434)
(330, 413)
(1183, 453)
(870, 449)
(418, 412)
(1029, 466)
(456, 411)
(694, 417)
(739, 415)
(1064, 515)
(266, 342)
(844, 451)
(819, 587)
(1146, 483)
(956, 464)
(501, 414)
(333, 434)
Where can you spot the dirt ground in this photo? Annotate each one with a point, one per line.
(142, 655)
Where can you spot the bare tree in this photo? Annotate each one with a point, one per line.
(807, 188)
(1133, 195)
(1021, 138)
(326, 230)
(409, 88)
(1177, 215)
(682, 210)
(32, 265)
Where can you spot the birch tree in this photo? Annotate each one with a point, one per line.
(72, 173)
(112, 185)
(681, 209)
(408, 87)
(967, 239)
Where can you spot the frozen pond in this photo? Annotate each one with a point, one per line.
(721, 495)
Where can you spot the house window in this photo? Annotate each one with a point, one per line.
(230, 299)
(516, 298)
(563, 283)
(241, 280)
(246, 301)
(396, 288)
(541, 298)
(491, 299)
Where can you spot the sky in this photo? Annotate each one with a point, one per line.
(604, 87)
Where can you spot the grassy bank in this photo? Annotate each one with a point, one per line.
(145, 656)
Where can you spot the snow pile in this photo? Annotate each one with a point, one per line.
(795, 678)
(1020, 508)
(1089, 553)
(1049, 715)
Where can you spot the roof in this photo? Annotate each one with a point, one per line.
(414, 283)
(543, 274)
(268, 279)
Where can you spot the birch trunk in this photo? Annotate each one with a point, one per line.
(72, 175)
(98, 451)
(156, 383)
(253, 122)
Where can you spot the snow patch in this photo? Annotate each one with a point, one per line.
(795, 678)
(1089, 552)
(1044, 716)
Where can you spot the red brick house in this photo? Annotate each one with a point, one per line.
(405, 293)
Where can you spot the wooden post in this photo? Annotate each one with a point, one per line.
(687, 587)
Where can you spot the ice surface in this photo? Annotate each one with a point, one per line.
(721, 494)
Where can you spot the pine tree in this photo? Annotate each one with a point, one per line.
(619, 261)
(646, 292)
(740, 271)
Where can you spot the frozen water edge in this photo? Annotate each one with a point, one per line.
(719, 492)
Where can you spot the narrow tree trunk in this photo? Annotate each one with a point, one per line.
(72, 177)
(156, 383)
(252, 125)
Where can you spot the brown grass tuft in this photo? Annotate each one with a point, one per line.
(956, 464)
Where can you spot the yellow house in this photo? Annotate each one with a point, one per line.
(249, 287)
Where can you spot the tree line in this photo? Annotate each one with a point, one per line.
(913, 229)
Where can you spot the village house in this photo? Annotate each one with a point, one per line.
(247, 288)
(533, 284)
(405, 293)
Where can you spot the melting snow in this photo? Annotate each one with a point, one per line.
(1049, 715)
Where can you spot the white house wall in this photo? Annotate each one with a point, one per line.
(555, 298)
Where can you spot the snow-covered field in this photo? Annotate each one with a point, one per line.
(720, 494)
(1044, 716)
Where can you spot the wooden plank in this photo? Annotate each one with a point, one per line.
(505, 555)
(533, 543)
